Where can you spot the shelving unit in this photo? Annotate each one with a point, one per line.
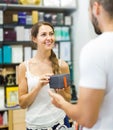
(39, 8)
(16, 119)
(7, 125)
(8, 10)
(4, 126)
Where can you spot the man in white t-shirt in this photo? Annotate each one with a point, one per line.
(94, 110)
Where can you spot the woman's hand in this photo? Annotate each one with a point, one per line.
(44, 79)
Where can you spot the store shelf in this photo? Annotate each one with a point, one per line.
(3, 126)
(39, 8)
(8, 10)
(10, 108)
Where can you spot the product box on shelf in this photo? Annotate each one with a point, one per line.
(7, 57)
(52, 3)
(1, 34)
(68, 3)
(1, 17)
(2, 97)
(9, 1)
(30, 2)
(9, 35)
(11, 96)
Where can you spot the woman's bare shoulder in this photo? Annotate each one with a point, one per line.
(22, 66)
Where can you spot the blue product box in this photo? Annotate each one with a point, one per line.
(59, 81)
(22, 18)
(7, 54)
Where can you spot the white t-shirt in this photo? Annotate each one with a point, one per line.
(96, 72)
(41, 113)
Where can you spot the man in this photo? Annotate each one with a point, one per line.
(94, 110)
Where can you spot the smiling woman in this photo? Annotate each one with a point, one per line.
(34, 77)
(44, 36)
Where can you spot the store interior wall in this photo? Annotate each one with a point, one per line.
(83, 32)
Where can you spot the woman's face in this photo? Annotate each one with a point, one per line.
(45, 37)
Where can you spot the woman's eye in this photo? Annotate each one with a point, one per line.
(51, 34)
(43, 34)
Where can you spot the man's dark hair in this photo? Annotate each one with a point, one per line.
(107, 5)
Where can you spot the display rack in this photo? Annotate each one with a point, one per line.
(13, 8)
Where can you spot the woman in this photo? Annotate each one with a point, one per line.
(34, 76)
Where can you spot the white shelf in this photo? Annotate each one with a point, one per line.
(36, 7)
(9, 108)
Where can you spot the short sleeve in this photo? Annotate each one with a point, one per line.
(92, 71)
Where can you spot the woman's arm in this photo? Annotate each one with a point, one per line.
(25, 98)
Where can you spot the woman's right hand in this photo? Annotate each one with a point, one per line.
(44, 79)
